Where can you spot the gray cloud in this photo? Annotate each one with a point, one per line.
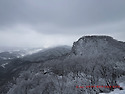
(59, 19)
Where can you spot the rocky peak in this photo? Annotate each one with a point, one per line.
(97, 45)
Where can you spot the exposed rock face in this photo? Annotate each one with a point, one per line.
(94, 46)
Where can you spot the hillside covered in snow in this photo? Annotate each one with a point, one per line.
(92, 61)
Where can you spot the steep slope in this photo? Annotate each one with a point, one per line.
(101, 47)
(93, 46)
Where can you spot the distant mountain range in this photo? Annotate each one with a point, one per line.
(13, 62)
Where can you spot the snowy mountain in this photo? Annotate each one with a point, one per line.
(7, 56)
(93, 64)
(23, 59)
(101, 47)
(93, 46)
(49, 53)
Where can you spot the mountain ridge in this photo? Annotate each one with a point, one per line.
(94, 60)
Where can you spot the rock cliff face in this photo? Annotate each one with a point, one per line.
(94, 46)
(103, 50)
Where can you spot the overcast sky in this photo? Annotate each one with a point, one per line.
(45, 23)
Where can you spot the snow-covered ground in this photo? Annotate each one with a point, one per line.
(117, 91)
